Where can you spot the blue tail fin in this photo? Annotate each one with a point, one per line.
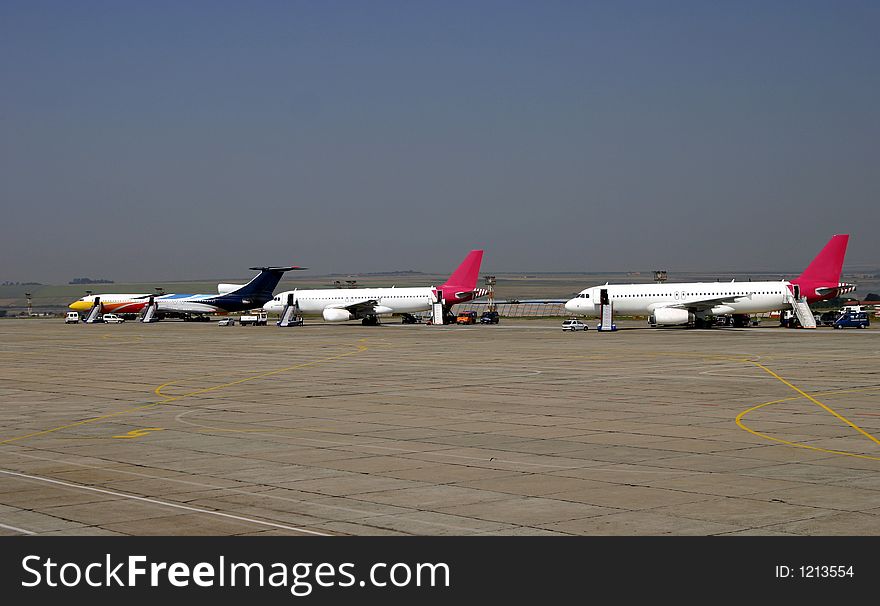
(263, 285)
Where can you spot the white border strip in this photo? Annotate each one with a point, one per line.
(17, 529)
(157, 502)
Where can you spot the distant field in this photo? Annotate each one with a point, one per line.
(509, 285)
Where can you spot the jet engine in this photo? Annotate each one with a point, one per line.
(223, 289)
(337, 315)
(670, 316)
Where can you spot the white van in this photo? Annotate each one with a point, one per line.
(72, 317)
(574, 324)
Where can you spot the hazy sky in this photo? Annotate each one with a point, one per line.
(172, 140)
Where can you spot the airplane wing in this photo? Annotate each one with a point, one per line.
(359, 308)
(698, 305)
(186, 303)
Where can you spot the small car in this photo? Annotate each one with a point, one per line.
(489, 317)
(466, 317)
(226, 322)
(573, 324)
(112, 319)
(72, 317)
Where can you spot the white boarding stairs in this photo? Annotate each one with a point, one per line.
(437, 314)
(607, 315)
(606, 312)
(150, 310)
(803, 312)
(607, 322)
(94, 312)
(290, 313)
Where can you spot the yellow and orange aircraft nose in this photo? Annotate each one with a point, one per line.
(80, 306)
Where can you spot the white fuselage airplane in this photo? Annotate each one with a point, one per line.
(229, 297)
(674, 304)
(696, 302)
(342, 304)
(367, 304)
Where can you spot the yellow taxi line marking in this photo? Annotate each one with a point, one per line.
(739, 422)
(817, 402)
(801, 394)
(166, 400)
(158, 390)
(138, 433)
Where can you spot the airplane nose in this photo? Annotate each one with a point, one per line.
(571, 305)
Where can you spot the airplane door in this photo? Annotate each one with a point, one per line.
(603, 296)
(797, 291)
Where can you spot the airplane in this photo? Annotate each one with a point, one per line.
(694, 303)
(229, 297)
(367, 304)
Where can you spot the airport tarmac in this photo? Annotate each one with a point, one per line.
(190, 428)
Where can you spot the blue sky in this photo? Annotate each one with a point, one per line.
(172, 140)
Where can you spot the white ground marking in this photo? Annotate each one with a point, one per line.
(247, 492)
(161, 503)
(17, 529)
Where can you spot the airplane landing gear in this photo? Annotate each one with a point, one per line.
(741, 320)
(370, 321)
(448, 316)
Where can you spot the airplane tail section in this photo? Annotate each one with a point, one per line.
(263, 285)
(464, 278)
(826, 267)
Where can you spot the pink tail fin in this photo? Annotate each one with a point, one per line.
(465, 277)
(827, 265)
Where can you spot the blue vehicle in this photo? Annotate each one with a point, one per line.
(852, 319)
